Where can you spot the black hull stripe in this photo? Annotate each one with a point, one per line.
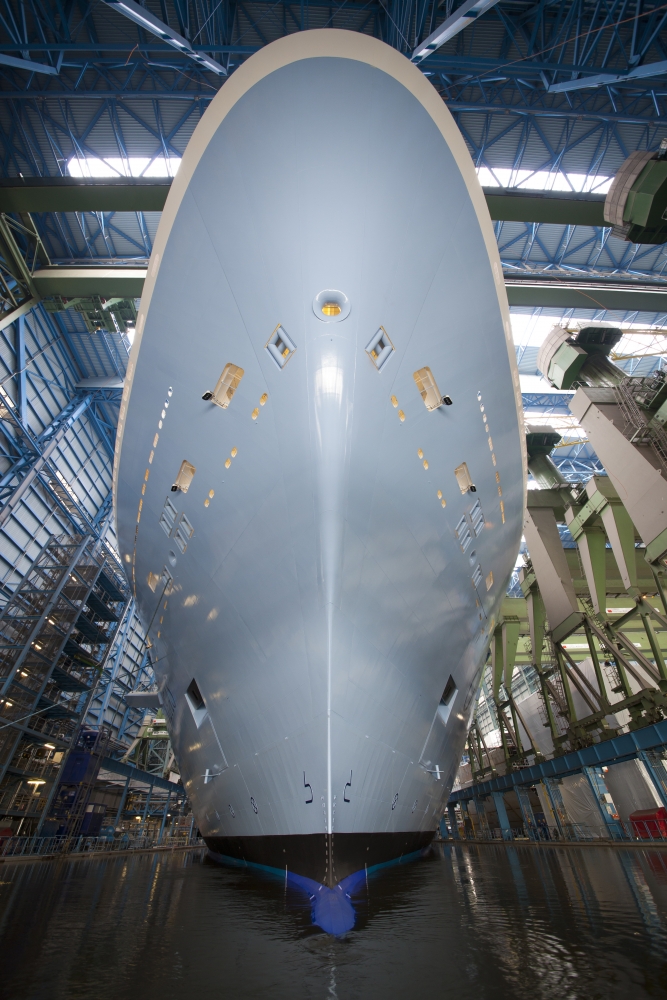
(326, 859)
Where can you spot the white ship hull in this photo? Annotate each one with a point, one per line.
(337, 582)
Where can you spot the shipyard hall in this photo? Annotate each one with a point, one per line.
(333, 499)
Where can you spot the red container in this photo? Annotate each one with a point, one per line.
(650, 824)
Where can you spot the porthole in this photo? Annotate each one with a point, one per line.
(331, 306)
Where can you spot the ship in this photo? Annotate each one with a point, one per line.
(320, 470)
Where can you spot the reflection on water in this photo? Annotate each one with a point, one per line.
(467, 922)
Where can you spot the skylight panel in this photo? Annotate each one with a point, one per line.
(543, 180)
(130, 166)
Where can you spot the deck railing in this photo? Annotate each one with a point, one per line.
(639, 831)
(12, 847)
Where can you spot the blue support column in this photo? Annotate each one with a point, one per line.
(20, 369)
(600, 791)
(145, 815)
(453, 822)
(164, 817)
(123, 800)
(529, 823)
(567, 829)
(499, 802)
(468, 828)
(481, 816)
(654, 776)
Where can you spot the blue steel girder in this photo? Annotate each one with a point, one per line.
(575, 250)
(30, 463)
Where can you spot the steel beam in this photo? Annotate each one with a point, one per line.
(29, 65)
(558, 207)
(136, 774)
(522, 290)
(653, 69)
(145, 194)
(628, 746)
(466, 14)
(598, 293)
(14, 314)
(109, 282)
(79, 194)
(39, 461)
(149, 22)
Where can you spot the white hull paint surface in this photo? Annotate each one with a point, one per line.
(323, 580)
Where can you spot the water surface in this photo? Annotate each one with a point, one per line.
(469, 922)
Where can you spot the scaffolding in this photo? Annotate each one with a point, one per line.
(55, 633)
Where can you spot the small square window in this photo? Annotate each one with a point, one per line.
(280, 346)
(477, 518)
(183, 533)
(168, 517)
(196, 703)
(463, 533)
(380, 349)
(447, 700)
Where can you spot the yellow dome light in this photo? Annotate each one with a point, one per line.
(331, 309)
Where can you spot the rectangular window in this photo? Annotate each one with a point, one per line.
(428, 389)
(477, 576)
(168, 517)
(183, 533)
(226, 386)
(185, 476)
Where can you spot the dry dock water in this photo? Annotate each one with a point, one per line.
(469, 922)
